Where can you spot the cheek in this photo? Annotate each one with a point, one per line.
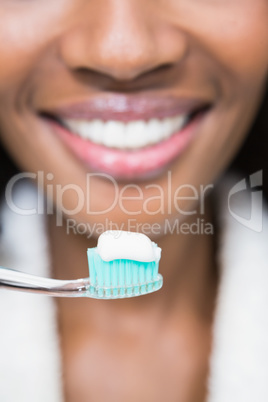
(240, 41)
(232, 33)
(27, 32)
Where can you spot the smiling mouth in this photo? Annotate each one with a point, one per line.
(127, 136)
(134, 140)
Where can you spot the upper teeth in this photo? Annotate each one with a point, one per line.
(132, 135)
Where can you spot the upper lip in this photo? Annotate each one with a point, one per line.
(127, 108)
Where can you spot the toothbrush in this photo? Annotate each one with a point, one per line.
(123, 265)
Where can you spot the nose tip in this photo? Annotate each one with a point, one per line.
(122, 54)
(123, 46)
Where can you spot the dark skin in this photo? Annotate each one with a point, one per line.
(56, 53)
(152, 348)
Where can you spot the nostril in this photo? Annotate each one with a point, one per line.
(108, 82)
(164, 68)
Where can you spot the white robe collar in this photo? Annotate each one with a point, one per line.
(239, 361)
(30, 363)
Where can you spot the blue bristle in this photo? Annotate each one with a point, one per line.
(121, 282)
(107, 281)
(148, 273)
(142, 278)
(128, 276)
(121, 278)
(136, 279)
(114, 276)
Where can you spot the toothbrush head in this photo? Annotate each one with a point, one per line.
(124, 264)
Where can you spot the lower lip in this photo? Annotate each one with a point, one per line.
(136, 164)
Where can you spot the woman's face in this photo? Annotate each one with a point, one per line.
(156, 94)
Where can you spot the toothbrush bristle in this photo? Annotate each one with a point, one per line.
(121, 278)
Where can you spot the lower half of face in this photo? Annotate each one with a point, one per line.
(128, 117)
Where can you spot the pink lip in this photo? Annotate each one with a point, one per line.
(136, 164)
(126, 165)
(127, 108)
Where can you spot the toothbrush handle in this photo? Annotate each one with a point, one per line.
(12, 279)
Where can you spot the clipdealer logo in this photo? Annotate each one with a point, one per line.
(131, 199)
(254, 208)
(248, 191)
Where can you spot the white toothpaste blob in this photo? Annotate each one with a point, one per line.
(119, 244)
